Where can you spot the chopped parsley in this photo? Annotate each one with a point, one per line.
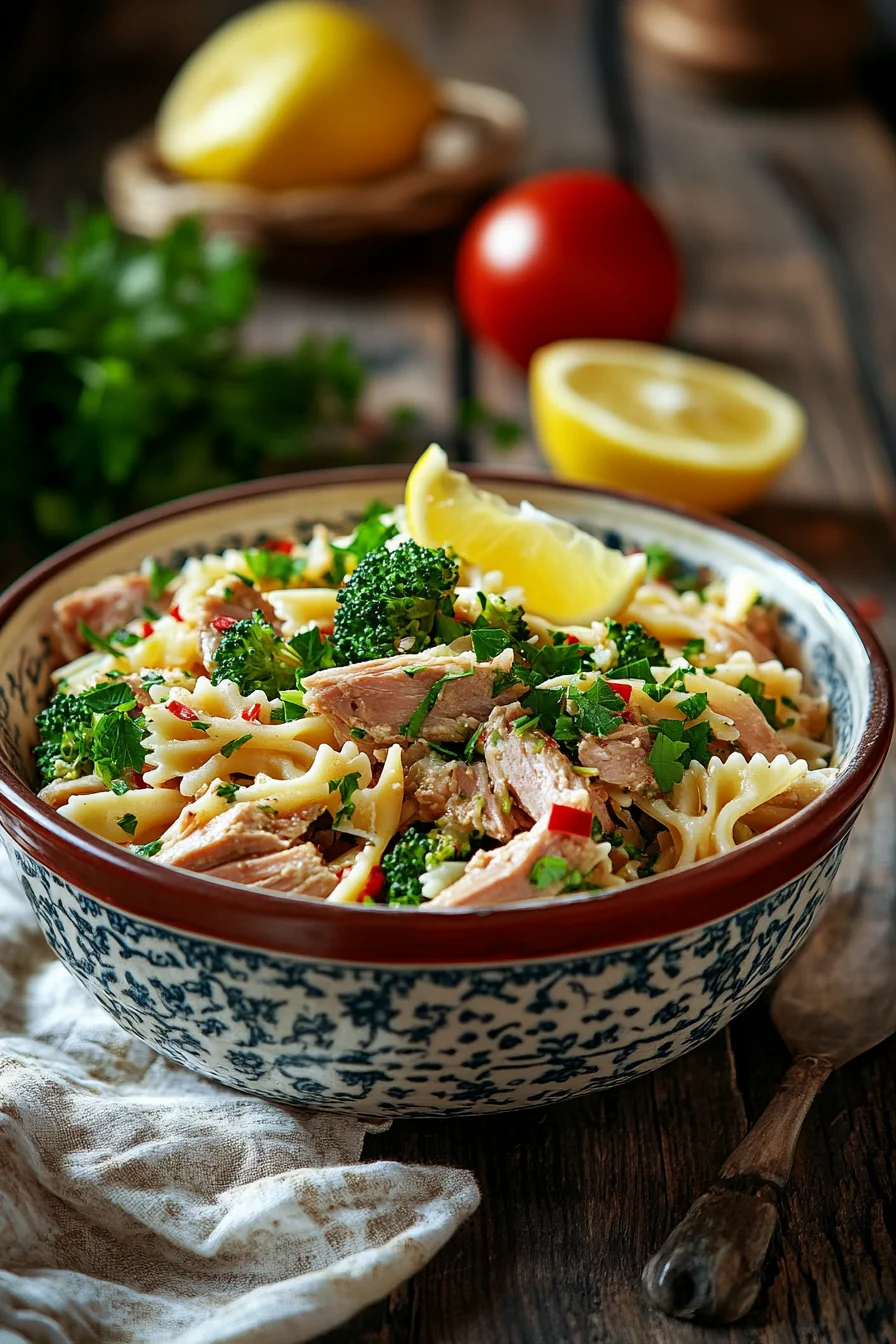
(357, 733)
(100, 642)
(119, 786)
(275, 566)
(128, 823)
(107, 696)
(230, 747)
(370, 535)
(547, 870)
(599, 709)
(693, 648)
(152, 678)
(345, 787)
(756, 691)
(428, 703)
(228, 791)
(674, 747)
(159, 577)
(694, 706)
(148, 851)
(487, 644)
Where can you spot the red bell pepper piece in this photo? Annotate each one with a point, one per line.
(251, 712)
(569, 820)
(223, 622)
(621, 688)
(181, 711)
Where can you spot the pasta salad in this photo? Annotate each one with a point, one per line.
(365, 719)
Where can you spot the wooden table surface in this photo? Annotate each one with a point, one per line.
(787, 222)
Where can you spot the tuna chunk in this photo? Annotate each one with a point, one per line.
(299, 872)
(242, 831)
(234, 600)
(756, 734)
(61, 791)
(532, 769)
(621, 758)
(105, 607)
(459, 792)
(379, 697)
(503, 876)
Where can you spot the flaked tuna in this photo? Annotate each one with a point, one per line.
(458, 792)
(300, 871)
(530, 769)
(104, 607)
(621, 758)
(509, 874)
(378, 699)
(242, 831)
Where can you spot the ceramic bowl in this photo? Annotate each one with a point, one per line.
(388, 1012)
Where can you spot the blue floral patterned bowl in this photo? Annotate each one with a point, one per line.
(389, 1012)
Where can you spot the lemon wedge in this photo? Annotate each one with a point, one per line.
(295, 93)
(640, 417)
(567, 576)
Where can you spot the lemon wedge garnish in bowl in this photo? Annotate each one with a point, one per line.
(567, 576)
(296, 93)
(640, 417)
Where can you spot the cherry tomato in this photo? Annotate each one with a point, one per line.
(565, 255)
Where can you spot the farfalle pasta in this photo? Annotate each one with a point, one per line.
(364, 719)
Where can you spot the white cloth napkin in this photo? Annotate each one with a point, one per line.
(142, 1204)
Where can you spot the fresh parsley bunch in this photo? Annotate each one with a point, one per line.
(122, 380)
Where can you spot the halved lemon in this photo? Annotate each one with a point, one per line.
(640, 417)
(567, 576)
(296, 93)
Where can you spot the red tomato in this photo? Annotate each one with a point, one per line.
(565, 255)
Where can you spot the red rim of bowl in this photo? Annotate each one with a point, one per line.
(657, 907)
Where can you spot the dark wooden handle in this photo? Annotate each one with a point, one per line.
(709, 1268)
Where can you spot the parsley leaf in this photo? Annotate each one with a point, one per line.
(149, 851)
(487, 644)
(548, 869)
(128, 823)
(692, 648)
(228, 791)
(234, 745)
(159, 578)
(694, 706)
(427, 704)
(755, 689)
(345, 787)
(599, 709)
(264, 563)
(109, 695)
(117, 745)
(665, 758)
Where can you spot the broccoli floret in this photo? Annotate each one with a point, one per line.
(633, 642)
(252, 654)
(498, 614)
(66, 739)
(90, 732)
(392, 599)
(413, 853)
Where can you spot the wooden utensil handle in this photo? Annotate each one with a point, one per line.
(710, 1265)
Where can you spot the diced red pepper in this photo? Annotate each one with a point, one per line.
(175, 612)
(374, 885)
(223, 622)
(147, 630)
(277, 544)
(569, 820)
(181, 711)
(870, 608)
(571, 639)
(621, 688)
(251, 712)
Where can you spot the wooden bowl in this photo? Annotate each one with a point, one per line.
(472, 147)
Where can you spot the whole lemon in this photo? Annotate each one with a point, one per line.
(296, 93)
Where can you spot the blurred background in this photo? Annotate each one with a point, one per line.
(759, 133)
